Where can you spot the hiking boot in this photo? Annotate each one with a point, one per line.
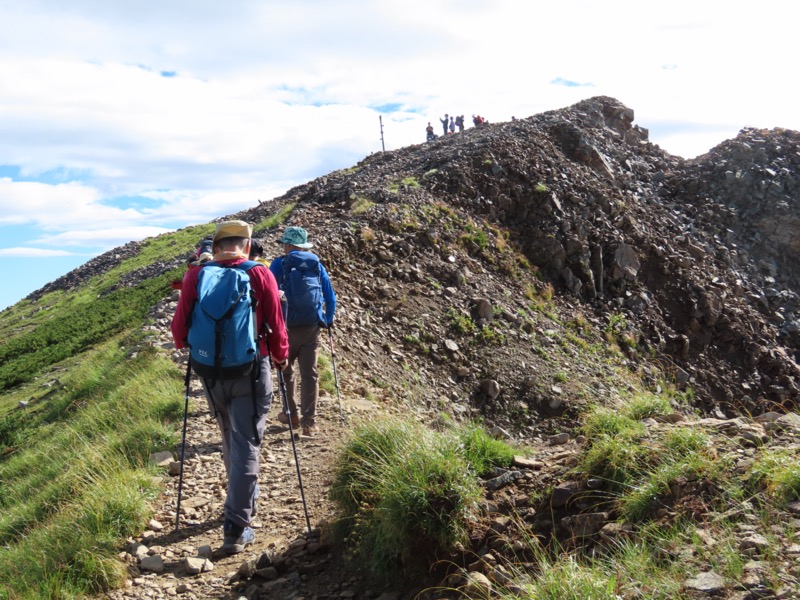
(285, 420)
(309, 431)
(236, 538)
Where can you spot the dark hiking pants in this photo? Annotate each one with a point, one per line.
(303, 348)
(241, 420)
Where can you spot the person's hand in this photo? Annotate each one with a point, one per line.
(280, 365)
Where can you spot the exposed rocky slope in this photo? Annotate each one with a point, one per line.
(688, 267)
(616, 224)
(700, 256)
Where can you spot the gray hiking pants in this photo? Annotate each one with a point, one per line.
(239, 418)
(304, 348)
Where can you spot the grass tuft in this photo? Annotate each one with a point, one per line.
(407, 494)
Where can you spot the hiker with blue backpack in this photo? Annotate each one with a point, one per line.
(229, 316)
(310, 306)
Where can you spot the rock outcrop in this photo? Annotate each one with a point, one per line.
(471, 269)
(697, 257)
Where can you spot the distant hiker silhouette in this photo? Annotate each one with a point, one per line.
(445, 122)
(429, 135)
(460, 122)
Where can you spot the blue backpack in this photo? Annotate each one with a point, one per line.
(301, 282)
(223, 341)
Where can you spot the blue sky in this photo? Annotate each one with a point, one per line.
(122, 120)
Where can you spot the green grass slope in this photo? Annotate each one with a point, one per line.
(83, 404)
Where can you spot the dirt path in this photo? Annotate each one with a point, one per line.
(289, 563)
(284, 562)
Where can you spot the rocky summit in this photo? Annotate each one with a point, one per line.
(697, 257)
(510, 271)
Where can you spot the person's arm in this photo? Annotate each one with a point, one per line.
(269, 312)
(328, 294)
(276, 268)
(180, 320)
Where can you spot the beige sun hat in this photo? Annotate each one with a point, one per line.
(229, 229)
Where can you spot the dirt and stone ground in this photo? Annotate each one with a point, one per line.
(517, 272)
(293, 564)
(285, 561)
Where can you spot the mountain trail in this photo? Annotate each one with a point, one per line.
(285, 561)
(289, 562)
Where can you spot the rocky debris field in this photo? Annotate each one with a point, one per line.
(686, 266)
(287, 559)
(696, 260)
(511, 273)
(540, 495)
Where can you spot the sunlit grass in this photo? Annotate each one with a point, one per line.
(82, 483)
(406, 493)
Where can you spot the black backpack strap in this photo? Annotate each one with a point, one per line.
(255, 402)
(256, 372)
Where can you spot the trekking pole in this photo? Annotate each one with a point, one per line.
(335, 377)
(288, 411)
(183, 445)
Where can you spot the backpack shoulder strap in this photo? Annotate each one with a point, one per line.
(247, 265)
(242, 266)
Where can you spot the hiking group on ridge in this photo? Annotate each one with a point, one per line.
(451, 123)
(239, 319)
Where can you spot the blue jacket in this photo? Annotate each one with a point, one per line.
(328, 307)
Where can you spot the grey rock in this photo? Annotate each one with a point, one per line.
(585, 524)
(626, 263)
(477, 585)
(162, 458)
(707, 582)
(490, 387)
(153, 564)
(193, 565)
(563, 493)
(482, 309)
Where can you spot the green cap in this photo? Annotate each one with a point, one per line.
(295, 236)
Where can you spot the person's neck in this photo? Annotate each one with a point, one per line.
(229, 255)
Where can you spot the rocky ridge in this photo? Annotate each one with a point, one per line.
(471, 269)
(698, 256)
(584, 197)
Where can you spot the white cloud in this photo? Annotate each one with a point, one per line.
(262, 96)
(19, 252)
(55, 207)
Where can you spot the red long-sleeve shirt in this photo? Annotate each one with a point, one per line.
(268, 309)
